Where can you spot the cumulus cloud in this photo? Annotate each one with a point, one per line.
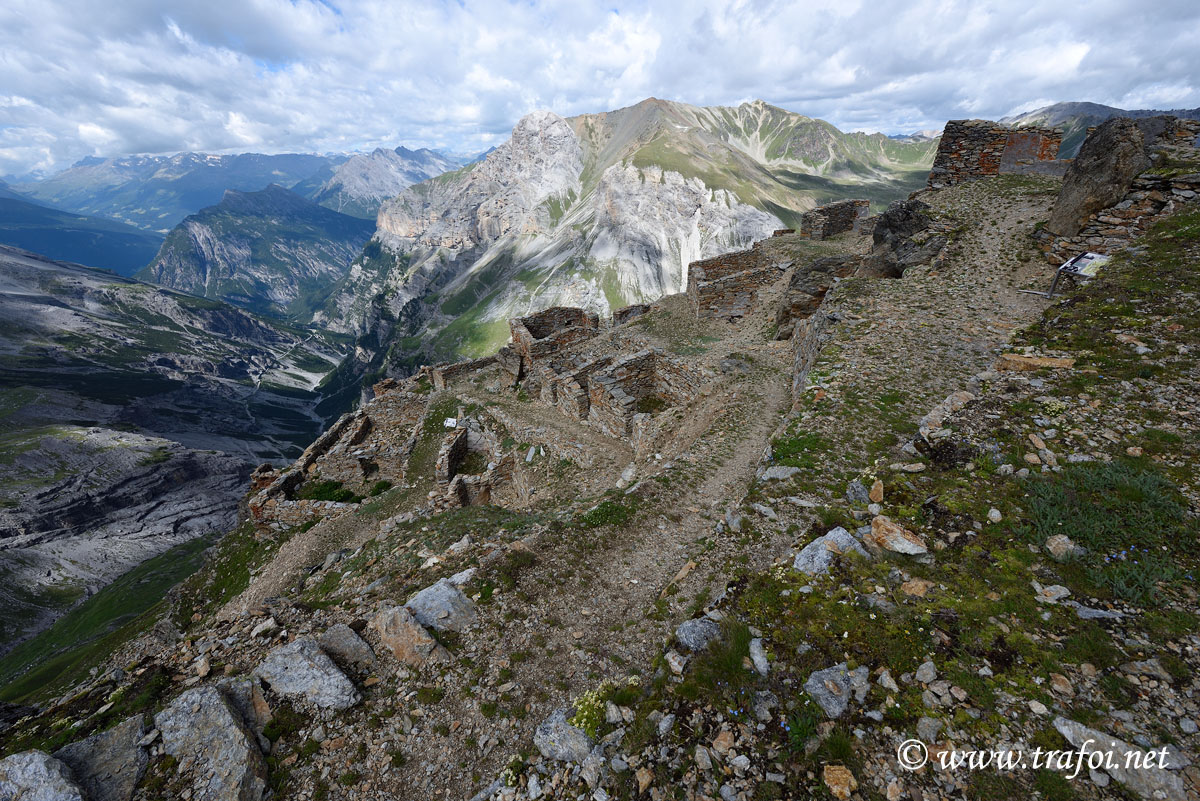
(152, 76)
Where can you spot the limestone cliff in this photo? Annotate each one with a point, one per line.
(599, 211)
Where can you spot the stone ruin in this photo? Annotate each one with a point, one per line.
(1128, 175)
(543, 334)
(974, 149)
(627, 313)
(464, 484)
(834, 218)
(363, 447)
(727, 286)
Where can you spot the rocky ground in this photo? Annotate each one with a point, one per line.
(974, 527)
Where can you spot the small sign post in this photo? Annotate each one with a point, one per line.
(1083, 267)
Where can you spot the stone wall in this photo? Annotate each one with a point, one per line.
(547, 332)
(1151, 198)
(451, 454)
(1172, 147)
(973, 149)
(833, 218)
(441, 373)
(807, 338)
(614, 391)
(783, 231)
(732, 296)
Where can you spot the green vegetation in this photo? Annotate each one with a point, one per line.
(318, 490)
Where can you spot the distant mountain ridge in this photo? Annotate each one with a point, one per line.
(601, 210)
(360, 185)
(56, 234)
(1076, 117)
(270, 251)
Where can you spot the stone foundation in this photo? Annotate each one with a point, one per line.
(732, 296)
(834, 218)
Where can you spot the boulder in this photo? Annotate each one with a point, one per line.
(302, 670)
(697, 633)
(1103, 171)
(807, 288)
(901, 240)
(443, 607)
(408, 641)
(1156, 782)
(37, 776)
(817, 557)
(246, 695)
(108, 765)
(347, 649)
(203, 731)
(891, 536)
(557, 739)
(832, 687)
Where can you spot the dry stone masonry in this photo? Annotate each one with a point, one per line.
(973, 149)
(834, 218)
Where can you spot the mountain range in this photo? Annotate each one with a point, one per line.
(601, 210)
(270, 251)
(1076, 118)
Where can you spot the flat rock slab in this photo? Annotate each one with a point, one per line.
(301, 669)
(557, 739)
(37, 776)
(443, 607)
(697, 633)
(817, 557)
(203, 731)
(1155, 782)
(108, 765)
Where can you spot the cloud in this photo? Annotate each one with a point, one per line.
(153, 76)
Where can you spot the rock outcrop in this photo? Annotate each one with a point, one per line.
(37, 776)
(1100, 175)
(109, 765)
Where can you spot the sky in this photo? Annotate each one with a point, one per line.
(158, 76)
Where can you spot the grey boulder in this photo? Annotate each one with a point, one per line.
(37, 776)
(697, 633)
(301, 669)
(833, 687)
(203, 731)
(1148, 782)
(443, 607)
(347, 648)
(557, 739)
(817, 557)
(108, 765)
(1108, 161)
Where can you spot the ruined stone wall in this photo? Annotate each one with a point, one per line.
(627, 313)
(547, 332)
(1151, 198)
(1174, 179)
(732, 296)
(973, 149)
(440, 374)
(721, 266)
(783, 231)
(614, 391)
(833, 218)
(451, 454)
(807, 338)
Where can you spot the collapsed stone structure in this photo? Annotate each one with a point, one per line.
(727, 286)
(543, 334)
(1128, 174)
(834, 218)
(974, 149)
